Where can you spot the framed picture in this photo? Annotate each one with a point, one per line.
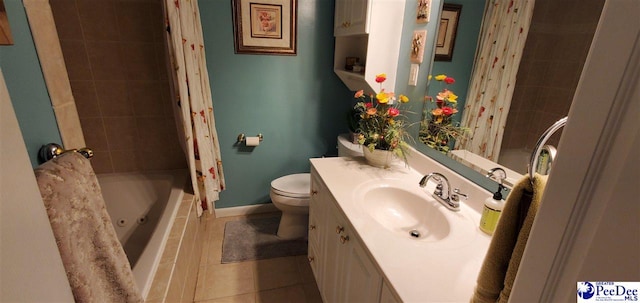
(5, 30)
(447, 29)
(265, 26)
(417, 45)
(424, 10)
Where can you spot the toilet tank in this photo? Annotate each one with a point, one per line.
(346, 148)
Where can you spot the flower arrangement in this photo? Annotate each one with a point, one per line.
(439, 128)
(380, 123)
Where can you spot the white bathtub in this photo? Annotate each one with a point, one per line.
(142, 207)
(516, 159)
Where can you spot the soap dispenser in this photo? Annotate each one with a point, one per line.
(493, 205)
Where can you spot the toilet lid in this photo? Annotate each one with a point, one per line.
(295, 186)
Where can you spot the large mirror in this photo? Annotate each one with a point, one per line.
(546, 76)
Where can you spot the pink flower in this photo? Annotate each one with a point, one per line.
(371, 111)
(449, 111)
(359, 94)
(368, 105)
(393, 112)
(449, 80)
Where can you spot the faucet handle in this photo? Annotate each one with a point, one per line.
(438, 190)
(457, 193)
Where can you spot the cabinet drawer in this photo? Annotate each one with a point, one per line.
(316, 212)
(315, 261)
(315, 225)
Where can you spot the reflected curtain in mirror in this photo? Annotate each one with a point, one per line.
(192, 104)
(503, 36)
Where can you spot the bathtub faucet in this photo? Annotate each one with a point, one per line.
(442, 193)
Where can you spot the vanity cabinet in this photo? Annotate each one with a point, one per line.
(349, 273)
(317, 226)
(369, 30)
(341, 264)
(351, 17)
(362, 248)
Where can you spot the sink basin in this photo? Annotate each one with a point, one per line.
(405, 212)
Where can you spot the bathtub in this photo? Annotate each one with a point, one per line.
(515, 158)
(142, 207)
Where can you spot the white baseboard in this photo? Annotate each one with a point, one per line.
(245, 210)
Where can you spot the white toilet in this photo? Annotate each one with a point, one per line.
(346, 148)
(290, 194)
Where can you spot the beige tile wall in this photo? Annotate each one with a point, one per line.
(556, 48)
(175, 280)
(114, 53)
(45, 38)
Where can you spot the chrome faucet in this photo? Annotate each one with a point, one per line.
(442, 193)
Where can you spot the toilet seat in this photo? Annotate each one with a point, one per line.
(293, 186)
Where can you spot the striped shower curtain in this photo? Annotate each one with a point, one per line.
(192, 100)
(502, 39)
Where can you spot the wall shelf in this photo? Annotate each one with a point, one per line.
(376, 44)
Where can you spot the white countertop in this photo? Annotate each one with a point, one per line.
(418, 270)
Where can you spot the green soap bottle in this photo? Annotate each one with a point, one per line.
(491, 212)
(493, 205)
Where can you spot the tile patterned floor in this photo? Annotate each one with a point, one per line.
(287, 279)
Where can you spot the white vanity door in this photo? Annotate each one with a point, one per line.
(350, 275)
(351, 17)
(361, 280)
(317, 227)
(341, 265)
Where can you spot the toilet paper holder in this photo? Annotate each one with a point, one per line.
(242, 138)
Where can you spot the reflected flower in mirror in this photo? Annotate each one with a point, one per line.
(438, 129)
(380, 123)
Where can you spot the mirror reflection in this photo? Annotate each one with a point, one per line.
(514, 84)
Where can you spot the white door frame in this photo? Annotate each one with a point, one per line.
(597, 155)
(31, 268)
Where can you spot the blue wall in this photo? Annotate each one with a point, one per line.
(463, 52)
(416, 93)
(460, 68)
(296, 102)
(22, 73)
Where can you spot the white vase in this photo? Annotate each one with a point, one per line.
(377, 157)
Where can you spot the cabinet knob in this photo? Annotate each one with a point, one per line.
(310, 258)
(344, 239)
(339, 229)
(312, 227)
(314, 192)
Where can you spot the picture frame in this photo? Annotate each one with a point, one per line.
(423, 11)
(5, 30)
(418, 41)
(265, 27)
(447, 29)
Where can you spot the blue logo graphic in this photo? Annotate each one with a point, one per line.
(586, 290)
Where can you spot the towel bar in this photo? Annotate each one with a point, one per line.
(52, 150)
(533, 161)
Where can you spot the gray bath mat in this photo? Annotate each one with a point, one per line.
(255, 239)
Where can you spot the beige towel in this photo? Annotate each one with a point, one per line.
(509, 240)
(96, 265)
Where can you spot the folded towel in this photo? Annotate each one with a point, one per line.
(501, 263)
(96, 265)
